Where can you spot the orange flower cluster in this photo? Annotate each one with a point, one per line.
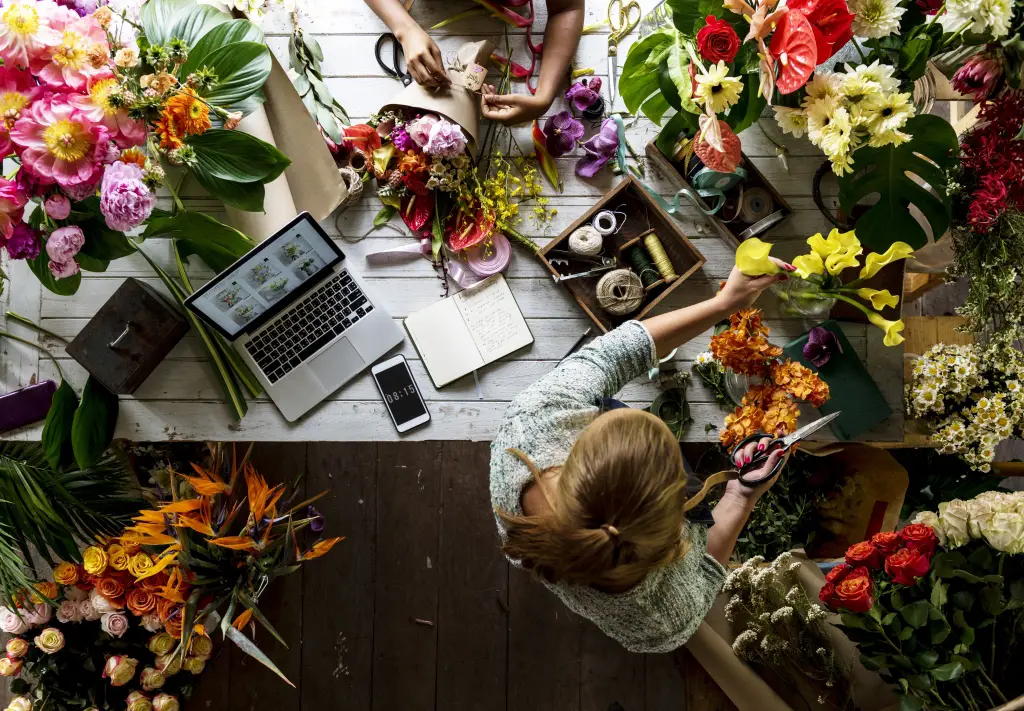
(185, 114)
(800, 382)
(744, 346)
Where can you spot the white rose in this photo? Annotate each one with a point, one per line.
(87, 611)
(114, 623)
(956, 522)
(980, 510)
(11, 623)
(68, 612)
(152, 622)
(1005, 532)
(99, 603)
(928, 518)
(75, 593)
(20, 703)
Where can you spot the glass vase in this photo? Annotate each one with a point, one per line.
(801, 298)
(660, 18)
(736, 385)
(924, 93)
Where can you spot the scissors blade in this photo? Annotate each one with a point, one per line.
(612, 67)
(808, 429)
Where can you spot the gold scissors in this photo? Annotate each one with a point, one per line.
(623, 17)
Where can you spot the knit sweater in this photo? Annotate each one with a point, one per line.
(666, 607)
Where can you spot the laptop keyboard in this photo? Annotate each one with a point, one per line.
(298, 334)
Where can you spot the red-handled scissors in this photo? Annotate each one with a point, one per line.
(772, 444)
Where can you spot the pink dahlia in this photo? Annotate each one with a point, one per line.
(96, 107)
(80, 54)
(125, 201)
(12, 206)
(59, 144)
(25, 32)
(17, 91)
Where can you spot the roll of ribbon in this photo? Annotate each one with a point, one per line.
(762, 226)
(756, 205)
(490, 257)
(586, 240)
(396, 255)
(606, 223)
(620, 292)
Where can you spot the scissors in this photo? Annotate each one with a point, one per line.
(622, 18)
(397, 69)
(782, 444)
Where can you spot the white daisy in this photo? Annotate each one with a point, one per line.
(876, 18)
(881, 74)
(888, 138)
(835, 135)
(717, 88)
(892, 114)
(705, 358)
(792, 121)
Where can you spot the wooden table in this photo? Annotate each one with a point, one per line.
(182, 400)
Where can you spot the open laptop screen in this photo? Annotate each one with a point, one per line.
(259, 285)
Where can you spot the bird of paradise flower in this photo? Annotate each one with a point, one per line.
(221, 544)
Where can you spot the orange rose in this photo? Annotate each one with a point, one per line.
(173, 624)
(111, 589)
(857, 592)
(47, 589)
(66, 573)
(165, 608)
(140, 601)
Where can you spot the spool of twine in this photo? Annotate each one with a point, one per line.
(605, 222)
(649, 276)
(353, 183)
(756, 205)
(586, 240)
(661, 261)
(620, 292)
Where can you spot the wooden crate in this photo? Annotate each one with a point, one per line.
(642, 214)
(729, 231)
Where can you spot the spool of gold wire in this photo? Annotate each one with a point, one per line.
(658, 255)
(633, 254)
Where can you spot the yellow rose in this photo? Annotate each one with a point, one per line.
(879, 298)
(17, 647)
(151, 679)
(94, 560)
(808, 264)
(874, 261)
(892, 329)
(166, 702)
(161, 644)
(20, 703)
(117, 557)
(50, 640)
(65, 573)
(10, 667)
(140, 564)
(46, 590)
(752, 258)
(119, 669)
(201, 646)
(137, 701)
(194, 665)
(169, 664)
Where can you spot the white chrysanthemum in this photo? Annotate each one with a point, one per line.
(835, 134)
(876, 18)
(893, 112)
(987, 17)
(792, 121)
(822, 85)
(819, 113)
(876, 72)
(888, 138)
(717, 88)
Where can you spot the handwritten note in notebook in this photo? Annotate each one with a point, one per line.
(467, 331)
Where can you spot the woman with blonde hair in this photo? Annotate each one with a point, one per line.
(591, 499)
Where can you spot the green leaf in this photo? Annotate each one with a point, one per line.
(92, 429)
(218, 245)
(40, 266)
(944, 564)
(384, 215)
(678, 71)
(926, 659)
(680, 124)
(851, 620)
(948, 672)
(916, 613)
(887, 171)
(921, 682)
(910, 703)
(236, 156)
(57, 427)
(914, 56)
(938, 596)
(685, 14)
(91, 264)
(992, 600)
(748, 109)
(639, 78)
(668, 89)
(253, 651)
(242, 69)
(938, 630)
(103, 243)
(158, 18)
(244, 196)
(196, 21)
(224, 34)
(906, 634)
(655, 107)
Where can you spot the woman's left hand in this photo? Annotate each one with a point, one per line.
(511, 109)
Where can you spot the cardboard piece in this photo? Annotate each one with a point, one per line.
(458, 103)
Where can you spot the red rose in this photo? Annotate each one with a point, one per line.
(864, 554)
(857, 592)
(886, 542)
(906, 565)
(838, 573)
(920, 537)
(717, 40)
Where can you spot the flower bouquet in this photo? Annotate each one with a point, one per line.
(819, 285)
(930, 605)
(768, 406)
(972, 397)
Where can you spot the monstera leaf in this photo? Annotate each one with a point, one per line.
(639, 84)
(895, 174)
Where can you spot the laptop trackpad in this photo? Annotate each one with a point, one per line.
(337, 364)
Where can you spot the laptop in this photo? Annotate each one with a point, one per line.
(301, 320)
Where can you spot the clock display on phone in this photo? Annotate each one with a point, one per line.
(399, 391)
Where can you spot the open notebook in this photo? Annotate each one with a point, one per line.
(467, 331)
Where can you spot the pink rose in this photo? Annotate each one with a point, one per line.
(119, 669)
(68, 612)
(64, 242)
(62, 270)
(446, 140)
(75, 593)
(87, 611)
(166, 702)
(152, 622)
(38, 616)
(114, 623)
(419, 130)
(11, 623)
(57, 206)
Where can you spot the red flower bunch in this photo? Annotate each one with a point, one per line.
(995, 161)
(904, 557)
(717, 40)
(831, 22)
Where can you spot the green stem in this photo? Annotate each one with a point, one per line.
(35, 326)
(852, 302)
(860, 51)
(519, 238)
(995, 688)
(38, 347)
(938, 13)
(988, 697)
(174, 195)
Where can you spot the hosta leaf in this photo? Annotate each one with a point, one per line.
(158, 18)
(241, 67)
(92, 429)
(639, 78)
(221, 35)
(57, 427)
(196, 21)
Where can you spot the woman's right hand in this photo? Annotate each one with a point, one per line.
(741, 291)
(423, 58)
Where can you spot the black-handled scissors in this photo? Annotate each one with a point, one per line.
(773, 444)
(398, 68)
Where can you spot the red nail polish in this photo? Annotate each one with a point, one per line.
(747, 460)
(760, 447)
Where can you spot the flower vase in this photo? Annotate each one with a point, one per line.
(736, 385)
(802, 298)
(924, 92)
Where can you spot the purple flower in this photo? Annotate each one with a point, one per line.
(62, 270)
(317, 524)
(402, 140)
(446, 140)
(583, 95)
(23, 242)
(125, 201)
(29, 184)
(79, 192)
(562, 132)
(821, 343)
(600, 148)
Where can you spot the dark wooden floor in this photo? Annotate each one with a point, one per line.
(421, 545)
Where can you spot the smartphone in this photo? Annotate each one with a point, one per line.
(25, 406)
(402, 397)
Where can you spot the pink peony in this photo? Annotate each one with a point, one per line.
(446, 140)
(63, 270)
(17, 91)
(64, 243)
(12, 207)
(96, 107)
(72, 59)
(24, 243)
(58, 144)
(419, 130)
(25, 33)
(83, 191)
(57, 207)
(125, 201)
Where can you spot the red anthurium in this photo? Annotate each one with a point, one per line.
(416, 210)
(467, 228)
(831, 22)
(795, 48)
(362, 138)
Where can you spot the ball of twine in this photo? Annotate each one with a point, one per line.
(620, 292)
(353, 183)
(586, 240)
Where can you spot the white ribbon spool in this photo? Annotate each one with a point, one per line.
(586, 240)
(606, 223)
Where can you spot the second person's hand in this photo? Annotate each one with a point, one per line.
(741, 291)
(423, 58)
(511, 109)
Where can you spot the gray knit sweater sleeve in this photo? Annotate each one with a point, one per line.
(544, 421)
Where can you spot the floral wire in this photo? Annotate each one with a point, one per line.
(38, 347)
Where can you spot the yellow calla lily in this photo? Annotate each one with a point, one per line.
(879, 298)
(847, 240)
(874, 262)
(807, 264)
(839, 261)
(892, 329)
(752, 258)
(823, 247)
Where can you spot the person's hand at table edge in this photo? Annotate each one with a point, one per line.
(512, 109)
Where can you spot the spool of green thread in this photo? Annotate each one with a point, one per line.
(641, 264)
